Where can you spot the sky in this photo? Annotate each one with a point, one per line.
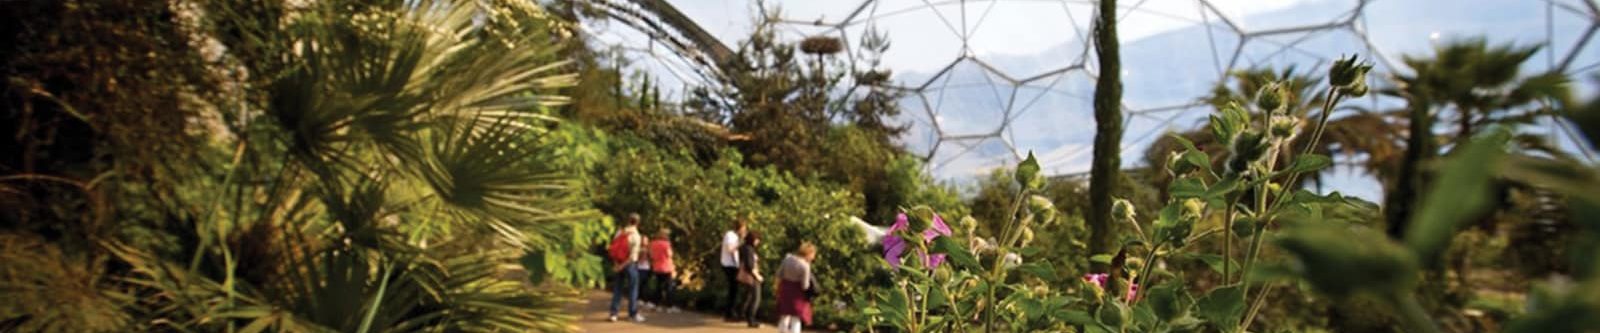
(970, 58)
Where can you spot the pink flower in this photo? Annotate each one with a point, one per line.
(1098, 279)
(894, 247)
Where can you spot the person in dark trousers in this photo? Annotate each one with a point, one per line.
(750, 278)
(663, 271)
(730, 267)
(627, 271)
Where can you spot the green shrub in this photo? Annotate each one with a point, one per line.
(670, 190)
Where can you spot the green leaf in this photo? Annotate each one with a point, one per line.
(1568, 178)
(1211, 260)
(1342, 259)
(1270, 272)
(1097, 328)
(1306, 163)
(1169, 301)
(1144, 318)
(1114, 314)
(1223, 307)
(1169, 214)
(1184, 324)
(1077, 317)
(1229, 121)
(259, 324)
(957, 253)
(896, 308)
(936, 297)
(1187, 188)
(1101, 258)
(1042, 271)
(1198, 159)
(1459, 194)
(1223, 187)
(1187, 145)
(1030, 306)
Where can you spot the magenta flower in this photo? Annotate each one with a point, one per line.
(1098, 279)
(893, 246)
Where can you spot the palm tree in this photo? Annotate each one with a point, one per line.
(1480, 86)
(384, 167)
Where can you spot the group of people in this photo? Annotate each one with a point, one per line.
(636, 258)
(740, 259)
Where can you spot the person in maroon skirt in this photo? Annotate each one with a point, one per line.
(796, 287)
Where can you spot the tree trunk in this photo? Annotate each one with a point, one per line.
(1108, 131)
(1419, 147)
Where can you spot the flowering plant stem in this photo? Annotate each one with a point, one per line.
(1265, 219)
(996, 273)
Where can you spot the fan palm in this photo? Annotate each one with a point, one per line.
(1480, 85)
(392, 177)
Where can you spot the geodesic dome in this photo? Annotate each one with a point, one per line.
(988, 81)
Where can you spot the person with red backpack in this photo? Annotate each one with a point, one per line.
(625, 252)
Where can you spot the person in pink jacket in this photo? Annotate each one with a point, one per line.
(662, 270)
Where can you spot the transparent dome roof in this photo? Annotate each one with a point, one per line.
(988, 81)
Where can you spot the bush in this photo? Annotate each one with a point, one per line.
(670, 190)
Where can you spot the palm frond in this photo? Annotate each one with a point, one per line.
(1552, 86)
(47, 291)
(489, 177)
(381, 76)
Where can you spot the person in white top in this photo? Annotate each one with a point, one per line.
(627, 272)
(730, 265)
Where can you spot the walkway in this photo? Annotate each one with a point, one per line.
(594, 314)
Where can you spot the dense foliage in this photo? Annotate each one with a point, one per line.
(453, 165)
(1327, 250)
(357, 166)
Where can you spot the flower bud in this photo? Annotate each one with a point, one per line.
(1272, 97)
(1284, 127)
(1193, 208)
(1358, 90)
(1123, 209)
(1027, 236)
(1042, 208)
(1028, 173)
(1346, 72)
(1249, 147)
